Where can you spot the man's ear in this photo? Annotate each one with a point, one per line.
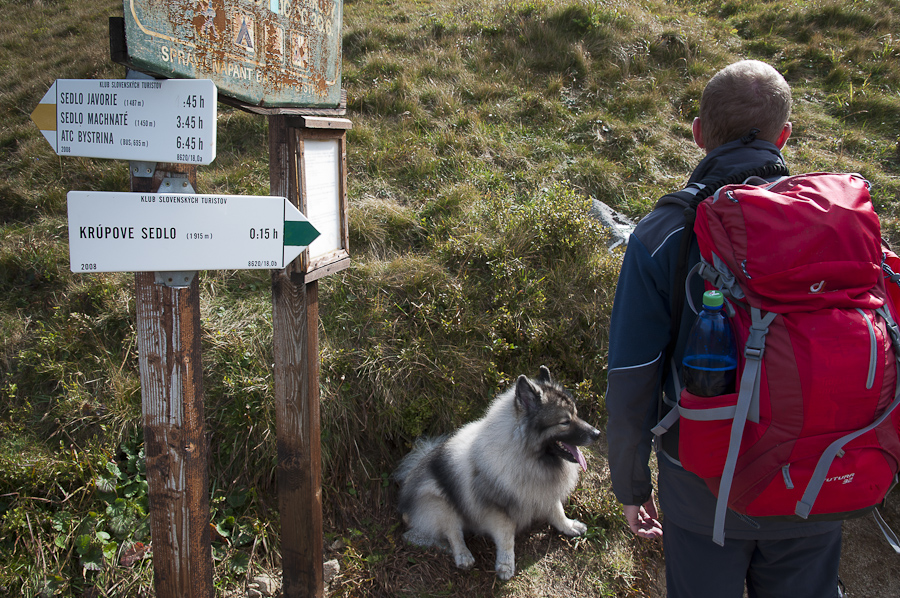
(785, 134)
(697, 130)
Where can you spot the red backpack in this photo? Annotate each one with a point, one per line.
(812, 432)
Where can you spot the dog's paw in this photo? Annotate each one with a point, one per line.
(505, 569)
(573, 527)
(464, 559)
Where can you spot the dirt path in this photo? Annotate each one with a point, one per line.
(869, 567)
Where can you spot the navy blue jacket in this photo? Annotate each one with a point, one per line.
(640, 329)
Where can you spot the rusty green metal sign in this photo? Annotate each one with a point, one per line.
(269, 53)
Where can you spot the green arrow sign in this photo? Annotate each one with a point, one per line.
(158, 232)
(299, 233)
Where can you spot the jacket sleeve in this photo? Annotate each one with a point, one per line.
(640, 328)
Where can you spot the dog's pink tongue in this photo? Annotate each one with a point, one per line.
(577, 454)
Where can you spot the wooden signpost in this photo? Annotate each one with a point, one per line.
(278, 58)
(168, 332)
(295, 304)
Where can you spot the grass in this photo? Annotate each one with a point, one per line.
(481, 132)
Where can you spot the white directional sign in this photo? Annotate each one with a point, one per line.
(170, 120)
(163, 232)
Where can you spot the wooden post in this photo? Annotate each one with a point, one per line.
(296, 345)
(168, 322)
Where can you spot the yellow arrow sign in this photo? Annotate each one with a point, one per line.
(44, 116)
(172, 120)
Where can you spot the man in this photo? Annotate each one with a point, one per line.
(743, 124)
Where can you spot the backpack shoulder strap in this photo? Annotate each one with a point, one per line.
(704, 190)
(684, 197)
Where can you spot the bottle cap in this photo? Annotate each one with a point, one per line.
(713, 299)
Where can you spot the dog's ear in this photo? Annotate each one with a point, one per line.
(528, 396)
(544, 377)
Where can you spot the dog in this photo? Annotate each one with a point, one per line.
(497, 475)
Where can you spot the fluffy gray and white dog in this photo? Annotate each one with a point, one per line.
(497, 475)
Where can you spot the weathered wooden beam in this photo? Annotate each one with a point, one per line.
(168, 333)
(296, 346)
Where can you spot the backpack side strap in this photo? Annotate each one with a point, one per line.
(888, 533)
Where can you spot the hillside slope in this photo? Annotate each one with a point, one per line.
(481, 133)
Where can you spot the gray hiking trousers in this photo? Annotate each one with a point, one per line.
(795, 568)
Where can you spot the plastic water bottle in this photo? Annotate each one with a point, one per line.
(710, 357)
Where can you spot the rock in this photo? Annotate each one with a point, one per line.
(619, 225)
(331, 569)
(262, 585)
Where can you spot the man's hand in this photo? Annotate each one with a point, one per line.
(644, 519)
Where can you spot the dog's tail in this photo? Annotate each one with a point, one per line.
(422, 448)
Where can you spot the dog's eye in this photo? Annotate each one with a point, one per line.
(565, 422)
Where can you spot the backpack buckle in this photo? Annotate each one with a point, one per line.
(754, 353)
(756, 339)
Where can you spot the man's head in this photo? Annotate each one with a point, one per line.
(744, 96)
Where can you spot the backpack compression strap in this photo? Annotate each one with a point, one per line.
(747, 404)
(748, 394)
(805, 505)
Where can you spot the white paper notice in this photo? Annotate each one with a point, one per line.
(322, 162)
